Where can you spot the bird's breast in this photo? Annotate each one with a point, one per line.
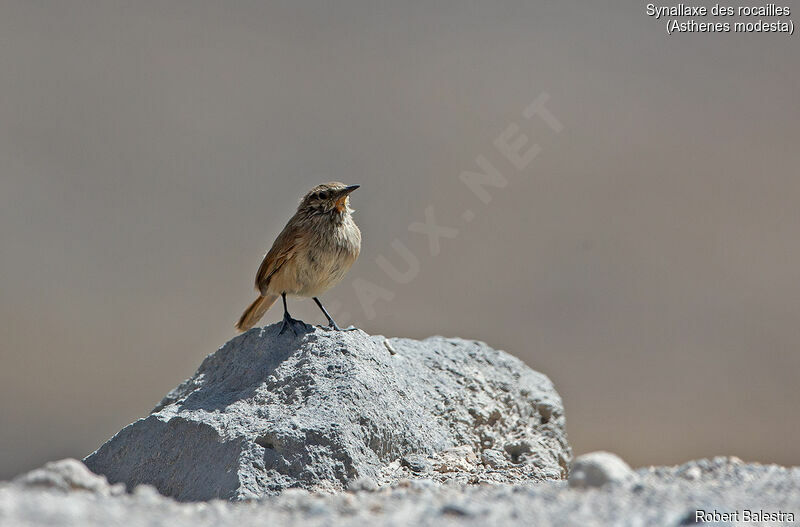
(328, 255)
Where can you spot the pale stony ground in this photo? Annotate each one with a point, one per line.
(333, 429)
(646, 497)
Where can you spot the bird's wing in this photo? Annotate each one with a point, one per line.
(283, 250)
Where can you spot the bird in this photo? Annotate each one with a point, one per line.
(312, 253)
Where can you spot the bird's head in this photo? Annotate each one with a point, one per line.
(328, 197)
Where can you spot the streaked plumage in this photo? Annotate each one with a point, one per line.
(311, 254)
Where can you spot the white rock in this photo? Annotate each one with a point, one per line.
(68, 475)
(598, 468)
(269, 412)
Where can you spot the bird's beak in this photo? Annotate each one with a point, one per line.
(347, 190)
(341, 201)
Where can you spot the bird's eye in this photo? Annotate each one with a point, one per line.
(323, 195)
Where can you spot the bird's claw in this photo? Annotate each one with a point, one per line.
(335, 327)
(289, 322)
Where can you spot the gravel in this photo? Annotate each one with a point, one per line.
(333, 429)
(650, 497)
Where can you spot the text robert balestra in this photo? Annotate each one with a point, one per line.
(744, 515)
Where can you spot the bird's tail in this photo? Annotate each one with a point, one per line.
(255, 311)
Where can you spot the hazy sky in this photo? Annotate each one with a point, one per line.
(647, 259)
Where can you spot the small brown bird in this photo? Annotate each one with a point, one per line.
(310, 255)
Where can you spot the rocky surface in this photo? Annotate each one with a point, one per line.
(330, 429)
(667, 496)
(68, 475)
(598, 469)
(327, 411)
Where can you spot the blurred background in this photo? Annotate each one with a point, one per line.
(647, 260)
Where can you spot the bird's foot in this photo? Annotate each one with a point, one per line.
(333, 326)
(291, 323)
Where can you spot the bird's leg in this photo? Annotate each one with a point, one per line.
(331, 323)
(288, 321)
